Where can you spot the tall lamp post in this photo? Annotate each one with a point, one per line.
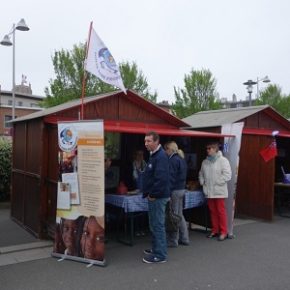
(249, 85)
(264, 80)
(7, 42)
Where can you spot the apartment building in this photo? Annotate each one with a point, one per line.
(234, 103)
(25, 103)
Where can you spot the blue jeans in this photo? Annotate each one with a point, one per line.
(157, 226)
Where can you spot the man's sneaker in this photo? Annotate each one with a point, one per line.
(148, 252)
(153, 260)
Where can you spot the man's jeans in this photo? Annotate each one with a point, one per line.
(157, 226)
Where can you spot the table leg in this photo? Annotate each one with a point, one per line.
(279, 204)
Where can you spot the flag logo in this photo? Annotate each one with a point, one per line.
(101, 63)
(107, 61)
(67, 139)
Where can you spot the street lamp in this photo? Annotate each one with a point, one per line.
(7, 42)
(264, 80)
(249, 85)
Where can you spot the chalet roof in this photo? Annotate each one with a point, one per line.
(133, 96)
(171, 126)
(216, 118)
(61, 107)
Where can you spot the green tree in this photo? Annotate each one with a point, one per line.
(273, 96)
(67, 84)
(199, 94)
(134, 79)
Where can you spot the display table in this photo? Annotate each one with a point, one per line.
(130, 206)
(135, 203)
(282, 190)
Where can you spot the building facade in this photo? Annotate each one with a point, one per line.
(25, 103)
(234, 103)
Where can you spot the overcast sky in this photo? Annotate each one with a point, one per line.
(236, 40)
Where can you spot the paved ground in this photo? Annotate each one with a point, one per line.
(11, 233)
(259, 258)
(16, 244)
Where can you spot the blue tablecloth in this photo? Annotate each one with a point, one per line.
(134, 203)
(193, 199)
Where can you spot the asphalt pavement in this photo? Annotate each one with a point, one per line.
(258, 258)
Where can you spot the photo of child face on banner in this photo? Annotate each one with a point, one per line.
(82, 237)
(92, 240)
(69, 231)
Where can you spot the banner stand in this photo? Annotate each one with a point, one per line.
(79, 259)
(80, 222)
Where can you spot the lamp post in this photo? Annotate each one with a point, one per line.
(249, 85)
(264, 80)
(7, 42)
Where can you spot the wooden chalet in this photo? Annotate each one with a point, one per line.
(35, 171)
(256, 178)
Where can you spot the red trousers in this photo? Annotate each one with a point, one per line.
(218, 215)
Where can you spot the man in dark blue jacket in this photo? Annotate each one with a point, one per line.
(156, 190)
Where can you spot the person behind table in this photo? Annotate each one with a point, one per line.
(177, 173)
(138, 165)
(214, 174)
(92, 244)
(69, 229)
(156, 190)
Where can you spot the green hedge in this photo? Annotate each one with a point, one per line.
(5, 167)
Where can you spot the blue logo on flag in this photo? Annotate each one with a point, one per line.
(108, 62)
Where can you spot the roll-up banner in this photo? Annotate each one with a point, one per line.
(231, 152)
(80, 225)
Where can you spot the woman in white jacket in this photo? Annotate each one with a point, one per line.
(214, 174)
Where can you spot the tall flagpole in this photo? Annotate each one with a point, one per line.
(85, 74)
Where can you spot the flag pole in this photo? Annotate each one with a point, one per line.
(85, 74)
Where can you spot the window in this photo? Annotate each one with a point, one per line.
(7, 118)
(9, 102)
(20, 103)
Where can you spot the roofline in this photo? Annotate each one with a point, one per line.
(278, 117)
(22, 108)
(270, 111)
(77, 102)
(55, 109)
(261, 107)
(4, 92)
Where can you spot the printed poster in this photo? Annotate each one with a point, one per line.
(72, 180)
(80, 226)
(63, 195)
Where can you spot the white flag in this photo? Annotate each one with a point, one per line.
(101, 63)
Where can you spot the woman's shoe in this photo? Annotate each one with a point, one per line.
(222, 237)
(212, 235)
(183, 243)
